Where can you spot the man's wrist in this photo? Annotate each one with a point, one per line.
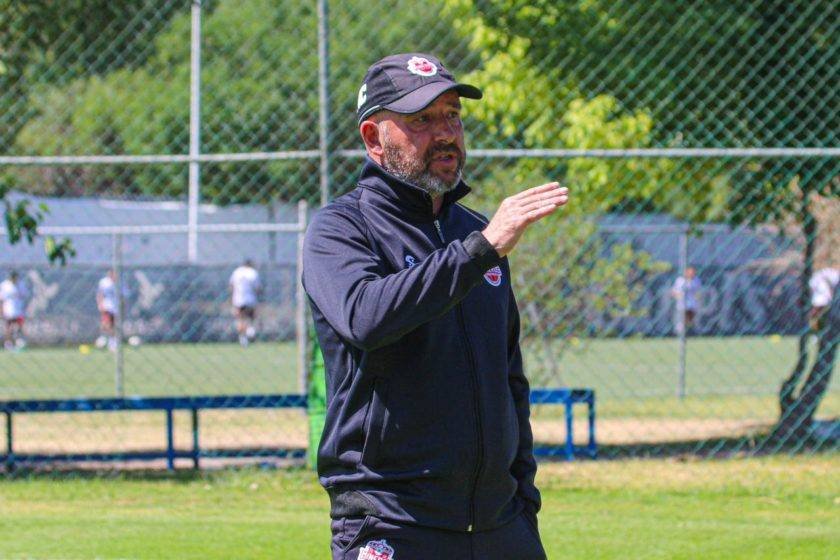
(480, 249)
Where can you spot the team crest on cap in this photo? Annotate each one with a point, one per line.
(493, 276)
(421, 66)
(376, 550)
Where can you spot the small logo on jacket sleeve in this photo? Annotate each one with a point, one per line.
(377, 550)
(493, 276)
(410, 261)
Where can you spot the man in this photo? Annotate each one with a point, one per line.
(427, 446)
(245, 288)
(107, 305)
(685, 291)
(13, 296)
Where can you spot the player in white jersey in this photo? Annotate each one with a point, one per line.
(13, 296)
(245, 289)
(107, 304)
(823, 284)
(685, 291)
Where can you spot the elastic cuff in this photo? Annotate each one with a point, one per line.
(480, 250)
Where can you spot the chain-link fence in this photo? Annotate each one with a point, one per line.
(170, 140)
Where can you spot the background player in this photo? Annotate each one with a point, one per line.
(685, 291)
(823, 284)
(245, 289)
(13, 295)
(107, 304)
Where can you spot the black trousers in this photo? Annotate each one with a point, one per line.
(372, 538)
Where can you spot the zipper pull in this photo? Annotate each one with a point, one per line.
(440, 231)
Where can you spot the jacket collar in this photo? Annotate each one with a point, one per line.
(404, 198)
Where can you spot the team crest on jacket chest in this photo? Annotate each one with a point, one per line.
(494, 276)
(377, 550)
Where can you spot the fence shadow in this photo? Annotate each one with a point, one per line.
(823, 438)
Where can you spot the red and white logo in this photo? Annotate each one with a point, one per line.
(376, 550)
(421, 66)
(493, 276)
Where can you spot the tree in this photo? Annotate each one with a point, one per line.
(259, 93)
(709, 74)
(48, 42)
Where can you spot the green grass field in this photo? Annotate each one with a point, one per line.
(725, 377)
(769, 508)
(731, 391)
(633, 367)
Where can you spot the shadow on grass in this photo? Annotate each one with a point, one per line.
(59, 471)
(823, 438)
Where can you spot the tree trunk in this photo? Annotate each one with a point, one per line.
(797, 411)
(798, 416)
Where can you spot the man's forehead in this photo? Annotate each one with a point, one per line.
(448, 99)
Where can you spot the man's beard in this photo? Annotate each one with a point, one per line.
(418, 172)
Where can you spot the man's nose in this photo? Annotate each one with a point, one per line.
(444, 130)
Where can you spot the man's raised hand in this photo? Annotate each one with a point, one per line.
(519, 211)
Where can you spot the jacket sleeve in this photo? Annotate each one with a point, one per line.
(524, 467)
(368, 305)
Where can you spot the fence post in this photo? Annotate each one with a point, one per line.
(681, 325)
(117, 257)
(195, 133)
(300, 304)
(324, 97)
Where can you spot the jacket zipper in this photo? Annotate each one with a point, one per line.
(476, 407)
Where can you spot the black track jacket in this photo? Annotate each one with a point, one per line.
(427, 405)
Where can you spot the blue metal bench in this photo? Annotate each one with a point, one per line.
(568, 398)
(168, 405)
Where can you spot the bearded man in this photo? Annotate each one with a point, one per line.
(427, 449)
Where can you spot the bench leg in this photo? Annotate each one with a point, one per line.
(170, 441)
(195, 448)
(570, 435)
(593, 449)
(10, 456)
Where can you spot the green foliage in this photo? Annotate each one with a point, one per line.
(564, 273)
(40, 45)
(21, 220)
(31, 51)
(616, 87)
(259, 93)
(701, 68)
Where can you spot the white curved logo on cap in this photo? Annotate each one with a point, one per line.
(362, 96)
(421, 66)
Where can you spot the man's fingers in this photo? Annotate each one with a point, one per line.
(557, 199)
(543, 196)
(537, 190)
(540, 212)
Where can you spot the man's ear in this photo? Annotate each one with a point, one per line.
(372, 139)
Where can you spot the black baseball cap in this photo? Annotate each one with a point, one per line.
(407, 83)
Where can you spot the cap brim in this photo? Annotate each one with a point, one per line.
(423, 96)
